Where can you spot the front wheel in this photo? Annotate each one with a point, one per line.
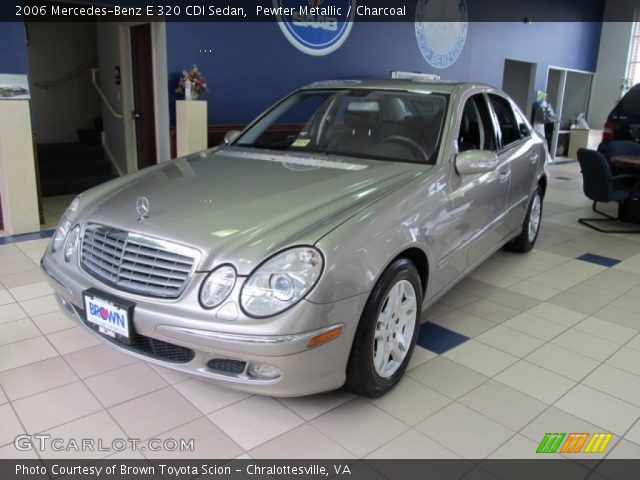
(530, 227)
(387, 331)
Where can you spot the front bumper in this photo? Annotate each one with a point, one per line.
(220, 345)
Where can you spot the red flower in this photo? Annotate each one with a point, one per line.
(198, 81)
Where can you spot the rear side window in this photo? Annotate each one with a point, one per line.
(509, 131)
(523, 128)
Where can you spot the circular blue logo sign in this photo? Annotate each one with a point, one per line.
(316, 27)
(441, 30)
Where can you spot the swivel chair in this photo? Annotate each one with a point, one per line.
(600, 185)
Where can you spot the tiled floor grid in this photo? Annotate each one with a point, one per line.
(528, 344)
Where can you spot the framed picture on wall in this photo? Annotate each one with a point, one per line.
(14, 87)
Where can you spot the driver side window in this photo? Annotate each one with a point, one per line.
(476, 131)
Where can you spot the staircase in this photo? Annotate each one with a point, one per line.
(73, 167)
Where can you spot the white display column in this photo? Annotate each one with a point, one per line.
(191, 126)
(17, 172)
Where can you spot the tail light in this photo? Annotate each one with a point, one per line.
(607, 132)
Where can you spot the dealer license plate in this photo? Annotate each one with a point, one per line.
(109, 316)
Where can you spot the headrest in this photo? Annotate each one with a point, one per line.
(363, 107)
(362, 114)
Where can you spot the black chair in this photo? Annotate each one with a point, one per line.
(621, 148)
(600, 185)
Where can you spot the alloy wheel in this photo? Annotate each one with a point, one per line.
(394, 328)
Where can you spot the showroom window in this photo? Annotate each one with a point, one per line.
(633, 72)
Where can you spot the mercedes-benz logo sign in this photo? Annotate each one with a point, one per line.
(142, 207)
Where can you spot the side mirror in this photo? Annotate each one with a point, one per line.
(476, 161)
(230, 136)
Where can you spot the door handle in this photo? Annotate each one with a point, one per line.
(534, 158)
(135, 114)
(504, 175)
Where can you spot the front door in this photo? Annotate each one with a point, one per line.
(479, 200)
(143, 100)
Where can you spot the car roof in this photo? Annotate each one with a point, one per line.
(440, 86)
(630, 102)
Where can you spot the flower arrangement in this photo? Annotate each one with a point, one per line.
(192, 83)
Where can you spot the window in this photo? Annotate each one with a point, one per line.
(401, 126)
(522, 124)
(633, 69)
(509, 130)
(475, 131)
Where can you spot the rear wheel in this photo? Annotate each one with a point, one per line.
(530, 227)
(387, 331)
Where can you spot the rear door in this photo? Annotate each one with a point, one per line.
(520, 155)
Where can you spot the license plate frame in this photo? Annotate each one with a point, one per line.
(108, 315)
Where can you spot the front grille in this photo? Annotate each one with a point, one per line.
(136, 263)
(151, 347)
(155, 348)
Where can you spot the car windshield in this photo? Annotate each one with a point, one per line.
(401, 126)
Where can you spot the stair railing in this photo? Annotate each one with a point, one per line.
(104, 98)
(69, 75)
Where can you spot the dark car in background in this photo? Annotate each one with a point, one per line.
(623, 123)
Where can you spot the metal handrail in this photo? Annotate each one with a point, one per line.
(113, 112)
(68, 76)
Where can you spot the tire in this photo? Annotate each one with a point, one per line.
(378, 359)
(530, 227)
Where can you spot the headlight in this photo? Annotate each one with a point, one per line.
(65, 224)
(281, 282)
(217, 286)
(71, 243)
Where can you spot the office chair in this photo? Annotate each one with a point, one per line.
(600, 185)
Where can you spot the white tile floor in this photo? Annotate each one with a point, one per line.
(555, 347)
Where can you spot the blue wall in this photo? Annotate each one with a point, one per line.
(252, 64)
(13, 48)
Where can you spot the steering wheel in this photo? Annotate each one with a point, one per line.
(417, 151)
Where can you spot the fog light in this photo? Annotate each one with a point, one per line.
(263, 371)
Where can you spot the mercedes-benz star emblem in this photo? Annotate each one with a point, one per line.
(142, 207)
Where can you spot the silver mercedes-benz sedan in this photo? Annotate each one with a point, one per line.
(300, 256)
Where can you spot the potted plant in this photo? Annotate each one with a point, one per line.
(192, 83)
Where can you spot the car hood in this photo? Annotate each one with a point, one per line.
(241, 205)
